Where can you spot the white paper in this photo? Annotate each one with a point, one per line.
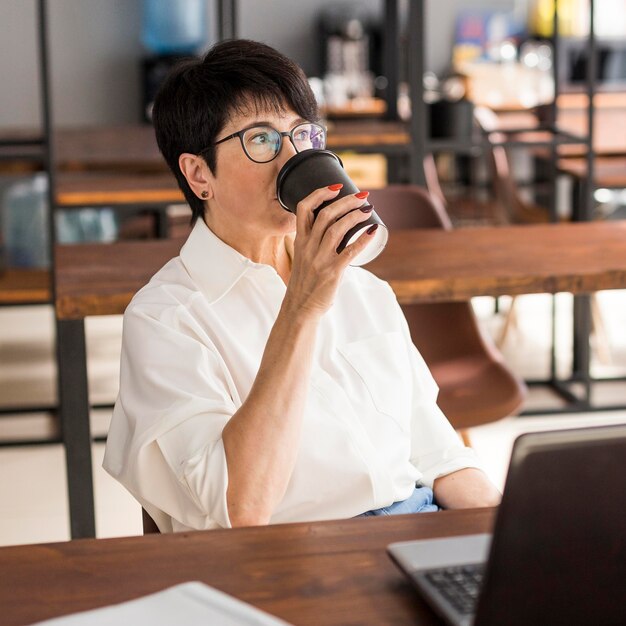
(189, 604)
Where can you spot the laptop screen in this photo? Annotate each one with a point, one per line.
(558, 554)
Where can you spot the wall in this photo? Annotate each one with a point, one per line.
(96, 50)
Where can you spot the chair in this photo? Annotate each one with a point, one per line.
(149, 525)
(475, 385)
(512, 208)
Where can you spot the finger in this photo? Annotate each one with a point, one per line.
(354, 249)
(306, 206)
(335, 233)
(337, 210)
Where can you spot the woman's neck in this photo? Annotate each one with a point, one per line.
(273, 250)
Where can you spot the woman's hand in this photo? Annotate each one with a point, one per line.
(317, 268)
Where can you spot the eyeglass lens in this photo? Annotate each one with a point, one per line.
(262, 143)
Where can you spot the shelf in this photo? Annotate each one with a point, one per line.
(24, 152)
(24, 286)
(356, 108)
(82, 189)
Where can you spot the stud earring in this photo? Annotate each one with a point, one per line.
(205, 194)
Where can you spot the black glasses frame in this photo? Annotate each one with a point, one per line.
(243, 131)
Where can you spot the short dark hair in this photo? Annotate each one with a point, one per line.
(194, 103)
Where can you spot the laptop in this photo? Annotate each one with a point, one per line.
(557, 554)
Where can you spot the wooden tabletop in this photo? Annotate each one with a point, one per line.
(82, 189)
(442, 265)
(608, 171)
(101, 279)
(331, 573)
(421, 265)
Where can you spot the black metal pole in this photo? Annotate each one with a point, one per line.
(226, 19)
(390, 57)
(553, 173)
(416, 64)
(591, 84)
(47, 127)
(582, 304)
(74, 408)
(70, 341)
(555, 65)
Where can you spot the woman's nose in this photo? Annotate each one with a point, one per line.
(287, 150)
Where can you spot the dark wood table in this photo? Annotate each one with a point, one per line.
(421, 265)
(133, 148)
(331, 573)
(438, 265)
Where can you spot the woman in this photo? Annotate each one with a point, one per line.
(263, 379)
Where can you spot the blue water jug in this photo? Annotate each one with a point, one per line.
(174, 26)
(24, 219)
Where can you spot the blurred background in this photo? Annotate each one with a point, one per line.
(477, 59)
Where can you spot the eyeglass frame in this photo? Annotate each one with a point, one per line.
(240, 134)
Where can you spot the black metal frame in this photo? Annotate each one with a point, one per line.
(226, 19)
(422, 145)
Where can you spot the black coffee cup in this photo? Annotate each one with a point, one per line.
(309, 170)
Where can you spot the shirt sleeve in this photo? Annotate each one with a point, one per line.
(436, 448)
(165, 441)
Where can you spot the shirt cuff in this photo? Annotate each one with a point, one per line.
(452, 461)
(206, 476)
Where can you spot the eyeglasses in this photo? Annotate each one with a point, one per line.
(262, 144)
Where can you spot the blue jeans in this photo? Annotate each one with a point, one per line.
(420, 501)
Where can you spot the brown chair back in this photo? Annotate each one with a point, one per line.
(513, 208)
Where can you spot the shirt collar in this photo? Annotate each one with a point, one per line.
(212, 264)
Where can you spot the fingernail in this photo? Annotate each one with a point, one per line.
(372, 229)
(368, 208)
(336, 187)
(362, 194)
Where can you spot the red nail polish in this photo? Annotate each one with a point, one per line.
(336, 187)
(372, 229)
(362, 194)
(368, 208)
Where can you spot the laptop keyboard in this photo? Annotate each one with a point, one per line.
(459, 585)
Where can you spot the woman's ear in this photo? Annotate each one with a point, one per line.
(197, 173)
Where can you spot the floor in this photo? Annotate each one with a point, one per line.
(33, 502)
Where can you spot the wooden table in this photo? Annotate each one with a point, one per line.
(152, 192)
(24, 286)
(331, 573)
(421, 265)
(608, 172)
(133, 148)
(438, 265)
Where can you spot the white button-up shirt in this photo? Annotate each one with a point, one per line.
(192, 345)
